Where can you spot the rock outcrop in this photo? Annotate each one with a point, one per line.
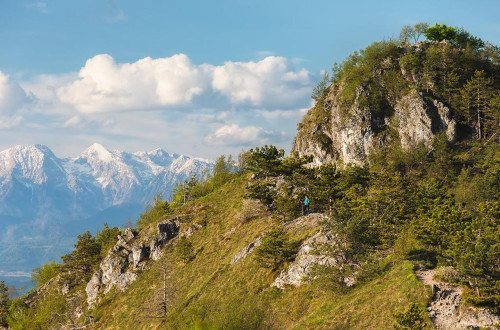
(446, 310)
(301, 269)
(243, 253)
(128, 256)
(347, 132)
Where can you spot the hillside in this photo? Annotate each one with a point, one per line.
(404, 183)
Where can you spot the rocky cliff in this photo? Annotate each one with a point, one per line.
(351, 119)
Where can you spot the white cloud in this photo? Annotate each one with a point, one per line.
(282, 114)
(12, 97)
(236, 135)
(209, 117)
(8, 122)
(13, 102)
(45, 88)
(269, 82)
(105, 86)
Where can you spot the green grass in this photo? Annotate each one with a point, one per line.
(371, 305)
(209, 293)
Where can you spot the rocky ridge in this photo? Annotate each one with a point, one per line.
(308, 256)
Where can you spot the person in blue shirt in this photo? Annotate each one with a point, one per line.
(305, 210)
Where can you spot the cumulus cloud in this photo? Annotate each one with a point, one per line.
(267, 82)
(12, 97)
(104, 85)
(13, 102)
(236, 135)
(45, 87)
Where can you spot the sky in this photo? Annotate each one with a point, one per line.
(202, 78)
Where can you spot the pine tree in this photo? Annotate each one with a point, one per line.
(479, 90)
(4, 304)
(81, 262)
(275, 249)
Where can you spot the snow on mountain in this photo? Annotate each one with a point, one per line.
(33, 180)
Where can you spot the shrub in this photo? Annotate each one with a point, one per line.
(184, 250)
(251, 209)
(276, 248)
(413, 318)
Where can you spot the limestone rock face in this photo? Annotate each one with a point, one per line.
(168, 229)
(300, 269)
(418, 121)
(349, 133)
(128, 256)
(139, 253)
(304, 146)
(446, 309)
(93, 287)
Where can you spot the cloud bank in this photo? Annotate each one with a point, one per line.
(103, 85)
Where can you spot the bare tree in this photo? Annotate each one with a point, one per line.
(158, 306)
(420, 29)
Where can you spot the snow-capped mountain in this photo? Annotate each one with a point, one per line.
(45, 201)
(34, 182)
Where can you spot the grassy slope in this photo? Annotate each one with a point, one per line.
(211, 293)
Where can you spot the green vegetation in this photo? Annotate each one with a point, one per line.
(42, 275)
(411, 319)
(276, 249)
(184, 250)
(4, 304)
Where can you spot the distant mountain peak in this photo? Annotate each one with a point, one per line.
(33, 179)
(98, 151)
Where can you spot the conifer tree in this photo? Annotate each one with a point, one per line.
(4, 304)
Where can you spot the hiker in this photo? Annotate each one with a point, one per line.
(305, 210)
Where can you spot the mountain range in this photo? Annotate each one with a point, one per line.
(46, 200)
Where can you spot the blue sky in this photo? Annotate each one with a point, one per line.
(194, 77)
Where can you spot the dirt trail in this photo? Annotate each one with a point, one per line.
(445, 310)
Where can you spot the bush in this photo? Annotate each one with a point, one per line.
(154, 212)
(251, 209)
(413, 318)
(43, 274)
(184, 250)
